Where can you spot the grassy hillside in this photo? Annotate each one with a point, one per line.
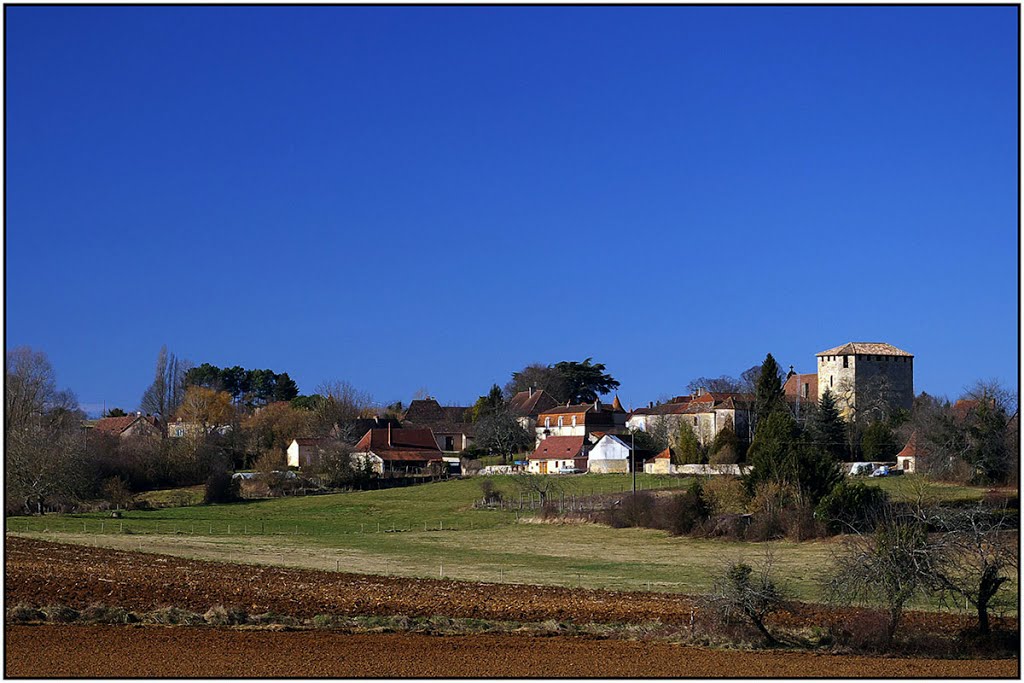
(433, 529)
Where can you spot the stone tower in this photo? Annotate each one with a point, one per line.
(867, 379)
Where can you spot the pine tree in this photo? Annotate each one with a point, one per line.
(768, 394)
(827, 428)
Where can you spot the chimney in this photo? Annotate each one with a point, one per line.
(389, 434)
(597, 404)
(138, 413)
(531, 392)
(650, 404)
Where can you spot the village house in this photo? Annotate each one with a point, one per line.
(451, 425)
(801, 392)
(306, 452)
(611, 454)
(660, 463)
(181, 428)
(705, 412)
(527, 405)
(558, 454)
(128, 426)
(398, 450)
(581, 420)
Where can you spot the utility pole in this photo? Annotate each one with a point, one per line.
(632, 457)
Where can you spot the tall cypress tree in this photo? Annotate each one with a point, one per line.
(827, 428)
(768, 394)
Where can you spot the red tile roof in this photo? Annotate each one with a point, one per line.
(965, 406)
(116, 425)
(910, 450)
(378, 441)
(795, 383)
(523, 404)
(558, 447)
(664, 455)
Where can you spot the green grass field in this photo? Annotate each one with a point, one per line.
(433, 530)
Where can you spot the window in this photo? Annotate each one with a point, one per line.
(830, 382)
(559, 422)
(807, 389)
(547, 421)
(573, 420)
(846, 361)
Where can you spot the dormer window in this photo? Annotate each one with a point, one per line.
(560, 422)
(573, 420)
(547, 421)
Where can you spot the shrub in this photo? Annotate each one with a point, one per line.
(22, 614)
(221, 487)
(725, 495)
(851, 507)
(686, 511)
(174, 616)
(101, 614)
(769, 502)
(490, 492)
(60, 614)
(741, 591)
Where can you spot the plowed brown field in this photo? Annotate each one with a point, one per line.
(104, 651)
(41, 573)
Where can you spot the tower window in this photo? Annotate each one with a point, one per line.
(846, 361)
(830, 382)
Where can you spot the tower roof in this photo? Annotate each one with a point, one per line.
(864, 349)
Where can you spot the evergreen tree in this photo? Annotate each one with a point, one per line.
(827, 428)
(725, 449)
(768, 394)
(688, 448)
(488, 405)
(770, 450)
(878, 442)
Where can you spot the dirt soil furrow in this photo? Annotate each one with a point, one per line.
(42, 573)
(106, 651)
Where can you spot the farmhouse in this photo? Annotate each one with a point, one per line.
(450, 425)
(610, 454)
(581, 419)
(398, 450)
(528, 405)
(705, 412)
(306, 452)
(557, 454)
(661, 463)
(137, 425)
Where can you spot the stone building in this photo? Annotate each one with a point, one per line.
(867, 379)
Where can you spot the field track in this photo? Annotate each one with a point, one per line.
(40, 573)
(104, 651)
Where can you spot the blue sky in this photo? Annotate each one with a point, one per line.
(435, 197)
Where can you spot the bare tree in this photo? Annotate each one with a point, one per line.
(977, 555)
(341, 404)
(45, 451)
(543, 485)
(891, 566)
(165, 394)
(749, 592)
(502, 433)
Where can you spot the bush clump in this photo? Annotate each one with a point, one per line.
(851, 507)
(221, 487)
(24, 614)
